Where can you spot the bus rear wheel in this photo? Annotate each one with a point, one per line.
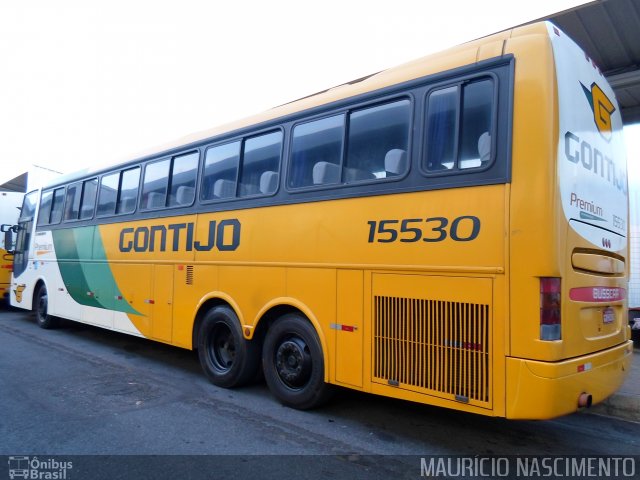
(293, 363)
(41, 308)
(228, 360)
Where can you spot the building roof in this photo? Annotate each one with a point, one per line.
(609, 32)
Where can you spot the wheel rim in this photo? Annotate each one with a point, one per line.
(223, 348)
(293, 362)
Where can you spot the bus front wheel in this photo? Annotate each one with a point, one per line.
(226, 357)
(293, 363)
(43, 318)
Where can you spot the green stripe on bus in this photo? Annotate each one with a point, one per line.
(85, 270)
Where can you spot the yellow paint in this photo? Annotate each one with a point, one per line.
(6, 261)
(318, 258)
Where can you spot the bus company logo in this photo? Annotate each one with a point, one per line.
(606, 243)
(601, 107)
(34, 468)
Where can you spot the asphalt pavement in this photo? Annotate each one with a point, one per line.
(625, 403)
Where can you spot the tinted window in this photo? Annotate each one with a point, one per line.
(314, 143)
(72, 202)
(442, 110)
(28, 207)
(475, 131)
(459, 126)
(183, 179)
(128, 190)
(220, 171)
(154, 188)
(260, 164)
(108, 194)
(45, 208)
(57, 205)
(88, 203)
(378, 142)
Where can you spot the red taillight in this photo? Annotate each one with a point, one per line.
(8, 267)
(550, 293)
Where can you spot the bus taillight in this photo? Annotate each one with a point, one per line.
(550, 308)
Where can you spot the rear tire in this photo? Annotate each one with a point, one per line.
(41, 309)
(293, 363)
(227, 358)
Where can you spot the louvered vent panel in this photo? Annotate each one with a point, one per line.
(189, 274)
(441, 347)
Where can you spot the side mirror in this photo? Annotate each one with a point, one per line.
(8, 241)
(8, 231)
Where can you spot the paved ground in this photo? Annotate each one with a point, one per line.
(625, 403)
(80, 390)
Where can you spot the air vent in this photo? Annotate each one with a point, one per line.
(437, 347)
(189, 274)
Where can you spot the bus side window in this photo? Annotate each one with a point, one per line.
(108, 194)
(477, 113)
(315, 144)
(220, 171)
(374, 131)
(154, 186)
(459, 125)
(441, 129)
(128, 190)
(260, 154)
(57, 205)
(72, 202)
(45, 208)
(88, 203)
(184, 171)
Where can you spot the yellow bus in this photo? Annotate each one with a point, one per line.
(452, 231)
(10, 203)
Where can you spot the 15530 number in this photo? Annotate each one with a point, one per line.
(434, 229)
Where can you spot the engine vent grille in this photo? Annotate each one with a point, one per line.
(438, 347)
(189, 274)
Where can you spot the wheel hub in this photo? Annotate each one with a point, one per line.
(293, 362)
(223, 352)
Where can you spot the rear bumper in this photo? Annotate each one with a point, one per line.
(542, 390)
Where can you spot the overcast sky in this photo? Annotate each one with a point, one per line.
(85, 82)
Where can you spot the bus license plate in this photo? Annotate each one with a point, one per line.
(608, 315)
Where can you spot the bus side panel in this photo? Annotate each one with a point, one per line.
(533, 246)
(136, 287)
(348, 328)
